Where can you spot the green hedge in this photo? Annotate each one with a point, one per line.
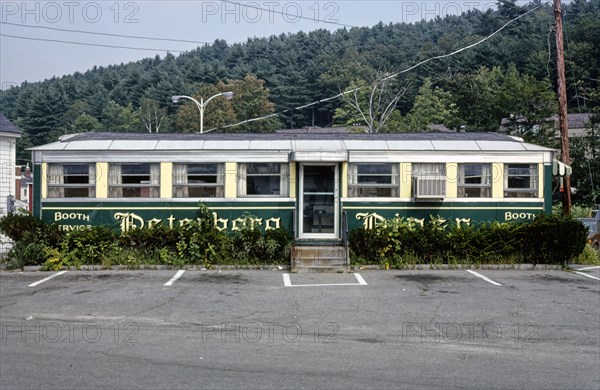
(396, 244)
(196, 243)
(19, 227)
(32, 238)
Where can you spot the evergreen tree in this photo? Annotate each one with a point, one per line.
(45, 114)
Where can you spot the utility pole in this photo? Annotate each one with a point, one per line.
(562, 104)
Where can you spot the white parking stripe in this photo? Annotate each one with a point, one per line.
(288, 283)
(286, 280)
(587, 268)
(360, 279)
(324, 285)
(589, 276)
(175, 277)
(483, 277)
(46, 279)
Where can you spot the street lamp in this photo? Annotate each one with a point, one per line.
(202, 104)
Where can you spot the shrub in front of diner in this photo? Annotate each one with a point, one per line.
(400, 243)
(395, 243)
(197, 243)
(31, 238)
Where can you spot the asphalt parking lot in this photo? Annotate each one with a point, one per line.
(272, 329)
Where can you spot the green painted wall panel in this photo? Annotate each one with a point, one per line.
(126, 215)
(368, 213)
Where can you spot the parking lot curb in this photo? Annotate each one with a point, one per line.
(458, 267)
(164, 267)
(280, 267)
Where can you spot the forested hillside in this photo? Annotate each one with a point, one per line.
(511, 74)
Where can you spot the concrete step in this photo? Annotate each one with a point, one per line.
(319, 258)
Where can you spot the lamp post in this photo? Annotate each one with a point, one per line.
(202, 104)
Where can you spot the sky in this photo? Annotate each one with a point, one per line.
(165, 23)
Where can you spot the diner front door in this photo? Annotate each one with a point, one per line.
(319, 201)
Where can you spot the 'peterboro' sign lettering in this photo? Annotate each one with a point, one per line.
(128, 221)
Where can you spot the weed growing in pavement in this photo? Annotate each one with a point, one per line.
(589, 256)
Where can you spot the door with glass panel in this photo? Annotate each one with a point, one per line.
(319, 202)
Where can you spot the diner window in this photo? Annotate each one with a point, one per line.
(262, 179)
(71, 180)
(373, 180)
(429, 180)
(134, 180)
(475, 180)
(198, 180)
(520, 181)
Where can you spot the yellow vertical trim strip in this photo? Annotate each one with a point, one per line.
(44, 180)
(293, 180)
(344, 180)
(166, 179)
(405, 180)
(540, 175)
(498, 180)
(451, 180)
(102, 180)
(230, 180)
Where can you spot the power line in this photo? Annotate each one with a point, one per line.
(341, 94)
(89, 44)
(466, 47)
(105, 34)
(111, 35)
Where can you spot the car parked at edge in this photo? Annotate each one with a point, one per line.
(593, 226)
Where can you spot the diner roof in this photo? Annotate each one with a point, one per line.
(292, 141)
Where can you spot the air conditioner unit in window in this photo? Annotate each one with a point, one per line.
(429, 187)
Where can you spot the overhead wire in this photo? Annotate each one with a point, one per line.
(143, 37)
(89, 44)
(104, 34)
